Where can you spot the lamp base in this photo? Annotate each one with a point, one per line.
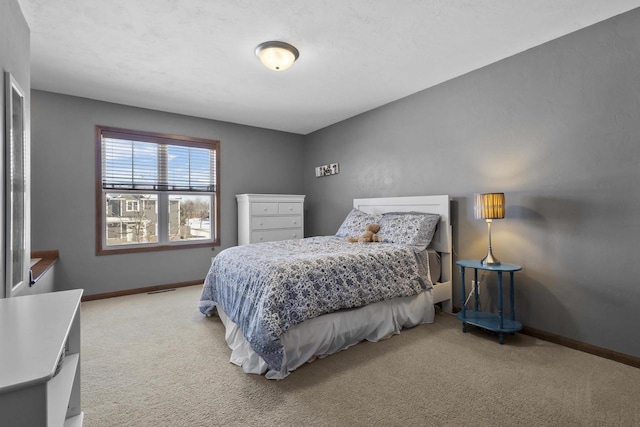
(490, 259)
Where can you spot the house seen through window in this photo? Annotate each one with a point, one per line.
(155, 191)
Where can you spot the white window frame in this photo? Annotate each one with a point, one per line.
(132, 209)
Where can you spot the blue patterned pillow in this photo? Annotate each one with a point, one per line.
(355, 222)
(409, 228)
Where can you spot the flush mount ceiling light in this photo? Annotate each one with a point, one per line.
(276, 55)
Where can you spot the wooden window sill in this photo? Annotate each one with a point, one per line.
(46, 260)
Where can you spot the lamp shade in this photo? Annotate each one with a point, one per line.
(489, 206)
(277, 55)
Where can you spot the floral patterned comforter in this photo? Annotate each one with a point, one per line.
(266, 288)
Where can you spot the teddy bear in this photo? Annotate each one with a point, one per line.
(369, 234)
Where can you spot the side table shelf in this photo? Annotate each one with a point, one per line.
(40, 360)
(495, 322)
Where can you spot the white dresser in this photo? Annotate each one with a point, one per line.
(269, 217)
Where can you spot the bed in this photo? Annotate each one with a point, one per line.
(331, 294)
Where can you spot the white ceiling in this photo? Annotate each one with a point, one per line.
(196, 57)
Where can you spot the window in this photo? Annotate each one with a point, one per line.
(132, 205)
(155, 191)
(15, 173)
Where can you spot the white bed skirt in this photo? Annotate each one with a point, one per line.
(331, 333)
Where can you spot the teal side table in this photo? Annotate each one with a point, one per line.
(490, 321)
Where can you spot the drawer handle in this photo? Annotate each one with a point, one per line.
(260, 222)
(290, 208)
(260, 237)
(265, 209)
(295, 222)
(295, 235)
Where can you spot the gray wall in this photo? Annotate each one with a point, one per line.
(253, 160)
(557, 128)
(14, 58)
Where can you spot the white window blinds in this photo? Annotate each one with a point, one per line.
(156, 165)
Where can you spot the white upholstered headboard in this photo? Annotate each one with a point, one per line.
(430, 204)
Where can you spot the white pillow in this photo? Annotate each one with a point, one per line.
(409, 228)
(355, 222)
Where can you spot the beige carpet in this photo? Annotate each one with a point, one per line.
(154, 360)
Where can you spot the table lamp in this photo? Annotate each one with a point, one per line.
(489, 206)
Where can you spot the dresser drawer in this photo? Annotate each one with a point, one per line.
(289, 208)
(267, 222)
(273, 235)
(264, 208)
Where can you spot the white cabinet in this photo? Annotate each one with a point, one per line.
(269, 217)
(38, 386)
